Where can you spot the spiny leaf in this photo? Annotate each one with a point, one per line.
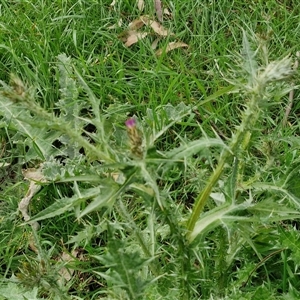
(292, 181)
(250, 63)
(220, 215)
(163, 118)
(106, 198)
(69, 104)
(15, 292)
(124, 269)
(290, 238)
(194, 147)
(39, 140)
(65, 204)
(262, 186)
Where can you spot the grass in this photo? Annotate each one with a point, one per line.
(197, 198)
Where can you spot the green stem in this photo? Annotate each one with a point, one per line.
(249, 119)
(203, 196)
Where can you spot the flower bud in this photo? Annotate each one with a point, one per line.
(135, 137)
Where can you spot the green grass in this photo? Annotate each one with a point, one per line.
(207, 207)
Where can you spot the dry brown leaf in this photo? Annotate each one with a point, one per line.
(131, 31)
(158, 9)
(157, 27)
(171, 46)
(136, 24)
(66, 273)
(115, 176)
(140, 5)
(134, 37)
(35, 176)
(154, 44)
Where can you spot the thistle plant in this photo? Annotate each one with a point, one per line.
(258, 92)
(119, 184)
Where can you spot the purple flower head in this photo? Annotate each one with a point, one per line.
(130, 123)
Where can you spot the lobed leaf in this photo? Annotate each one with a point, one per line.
(66, 204)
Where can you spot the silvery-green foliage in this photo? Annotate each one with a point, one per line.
(176, 243)
(14, 291)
